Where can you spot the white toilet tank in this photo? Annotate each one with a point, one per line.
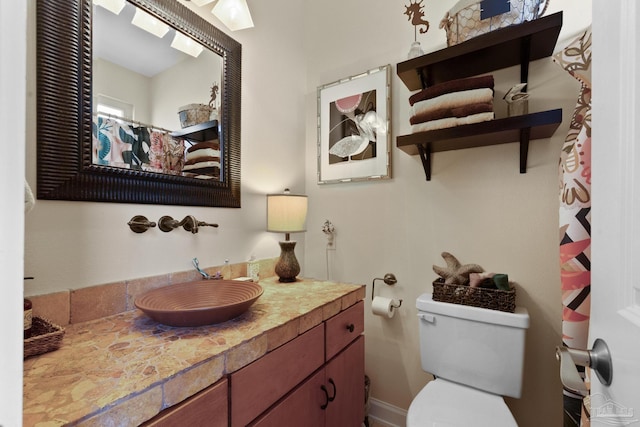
(473, 346)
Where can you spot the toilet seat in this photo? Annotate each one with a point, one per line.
(442, 403)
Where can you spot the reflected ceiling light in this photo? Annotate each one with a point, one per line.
(150, 24)
(233, 13)
(186, 45)
(113, 6)
(201, 2)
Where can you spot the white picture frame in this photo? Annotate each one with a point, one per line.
(354, 135)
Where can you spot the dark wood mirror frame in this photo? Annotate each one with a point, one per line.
(64, 108)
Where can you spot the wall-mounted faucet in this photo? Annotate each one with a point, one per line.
(189, 223)
(140, 224)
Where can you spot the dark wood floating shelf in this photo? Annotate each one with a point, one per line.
(201, 132)
(506, 47)
(499, 131)
(502, 48)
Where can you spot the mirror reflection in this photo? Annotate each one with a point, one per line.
(155, 96)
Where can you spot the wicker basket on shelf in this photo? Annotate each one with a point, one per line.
(493, 299)
(45, 337)
(194, 114)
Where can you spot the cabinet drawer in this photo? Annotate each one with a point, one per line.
(257, 386)
(343, 328)
(208, 408)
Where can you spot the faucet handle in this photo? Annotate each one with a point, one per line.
(167, 223)
(190, 223)
(206, 224)
(140, 224)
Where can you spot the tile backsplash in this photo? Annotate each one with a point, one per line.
(94, 302)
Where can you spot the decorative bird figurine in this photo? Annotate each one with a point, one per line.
(455, 273)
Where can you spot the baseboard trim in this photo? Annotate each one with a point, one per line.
(387, 414)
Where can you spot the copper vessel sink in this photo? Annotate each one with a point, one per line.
(199, 303)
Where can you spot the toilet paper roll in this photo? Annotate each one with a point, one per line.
(381, 306)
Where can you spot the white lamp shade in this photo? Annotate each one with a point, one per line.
(149, 23)
(286, 213)
(233, 13)
(186, 45)
(113, 6)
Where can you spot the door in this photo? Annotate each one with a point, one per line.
(615, 293)
(13, 90)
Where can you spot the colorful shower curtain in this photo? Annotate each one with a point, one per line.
(575, 213)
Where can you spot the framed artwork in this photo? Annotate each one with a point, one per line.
(354, 137)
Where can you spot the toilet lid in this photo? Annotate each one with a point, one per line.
(442, 403)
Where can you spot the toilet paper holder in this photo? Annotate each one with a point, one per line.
(389, 279)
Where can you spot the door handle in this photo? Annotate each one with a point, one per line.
(598, 359)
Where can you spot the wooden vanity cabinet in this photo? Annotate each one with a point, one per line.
(207, 408)
(315, 380)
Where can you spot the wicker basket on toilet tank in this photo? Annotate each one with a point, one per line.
(493, 299)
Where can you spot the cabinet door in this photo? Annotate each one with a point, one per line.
(206, 409)
(303, 407)
(259, 385)
(346, 371)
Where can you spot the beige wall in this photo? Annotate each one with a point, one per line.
(476, 206)
(188, 82)
(123, 85)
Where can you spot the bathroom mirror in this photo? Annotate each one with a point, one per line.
(65, 66)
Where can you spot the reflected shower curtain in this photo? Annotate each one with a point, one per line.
(575, 214)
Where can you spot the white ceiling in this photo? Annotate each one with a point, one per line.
(117, 40)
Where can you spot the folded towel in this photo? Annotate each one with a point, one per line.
(452, 100)
(198, 154)
(202, 165)
(202, 159)
(204, 169)
(451, 122)
(201, 145)
(443, 113)
(452, 86)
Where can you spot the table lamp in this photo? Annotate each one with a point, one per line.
(287, 213)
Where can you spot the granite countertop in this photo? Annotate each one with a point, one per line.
(124, 369)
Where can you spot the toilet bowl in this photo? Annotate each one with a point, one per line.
(476, 356)
(442, 403)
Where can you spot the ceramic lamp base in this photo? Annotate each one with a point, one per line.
(287, 267)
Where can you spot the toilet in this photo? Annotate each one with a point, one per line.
(476, 356)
